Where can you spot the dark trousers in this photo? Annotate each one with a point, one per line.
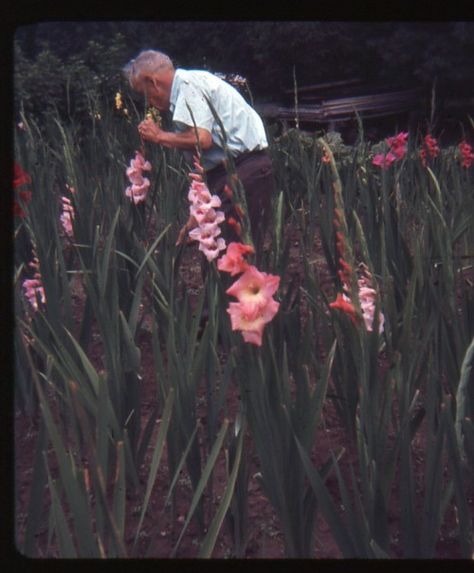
(254, 170)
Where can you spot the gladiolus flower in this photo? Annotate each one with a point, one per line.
(384, 161)
(34, 287)
(34, 290)
(137, 192)
(367, 298)
(467, 156)
(205, 232)
(67, 216)
(398, 144)
(135, 175)
(397, 150)
(254, 287)
(211, 251)
(338, 218)
(228, 192)
(203, 210)
(235, 225)
(20, 178)
(346, 270)
(204, 214)
(251, 319)
(430, 149)
(344, 304)
(200, 195)
(140, 163)
(233, 261)
(239, 210)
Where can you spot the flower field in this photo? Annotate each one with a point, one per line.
(201, 399)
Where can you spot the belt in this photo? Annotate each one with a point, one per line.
(240, 158)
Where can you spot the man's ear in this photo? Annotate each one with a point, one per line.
(154, 82)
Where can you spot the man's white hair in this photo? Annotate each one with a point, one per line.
(147, 62)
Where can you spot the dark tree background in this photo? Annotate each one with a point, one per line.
(60, 64)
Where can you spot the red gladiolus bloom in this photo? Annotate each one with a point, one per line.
(235, 225)
(398, 144)
(345, 272)
(228, 191)
(343, 304)
(340, 243)
(338, 217)
(467, 157)
(397, 150)
(430, 149)
(20, 178)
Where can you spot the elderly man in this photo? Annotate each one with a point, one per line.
(185, 93)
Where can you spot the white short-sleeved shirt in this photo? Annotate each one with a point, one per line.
(243, 127)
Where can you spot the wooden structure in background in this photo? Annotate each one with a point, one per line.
(336, 103)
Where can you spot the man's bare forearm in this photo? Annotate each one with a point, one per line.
(181, 140)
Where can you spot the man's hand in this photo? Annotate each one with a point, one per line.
(150, 131)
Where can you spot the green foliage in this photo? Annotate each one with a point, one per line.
(64, 64)
(70, 83)
(400, 393)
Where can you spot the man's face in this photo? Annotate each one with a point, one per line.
(156, 88)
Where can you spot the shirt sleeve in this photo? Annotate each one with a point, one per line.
(191, 108)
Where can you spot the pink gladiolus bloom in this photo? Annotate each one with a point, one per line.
(140, 163)
(138, 192)
(204, 214)
(384, 161)
(254, 287)
(33, 289)
(205, 233)
(367, 305)
(251, 319)
(200, 196)
(367, 298)
(203, 210)
(379, 160)
(212, 250)
(197, 187)
(135, 175)
(67, 217)
(233, 261)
